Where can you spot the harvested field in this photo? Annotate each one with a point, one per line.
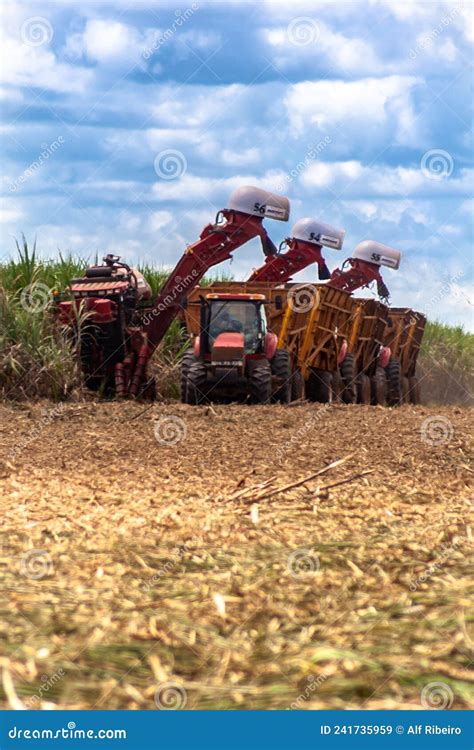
(130, 560)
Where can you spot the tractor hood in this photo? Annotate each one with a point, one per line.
(228, 347)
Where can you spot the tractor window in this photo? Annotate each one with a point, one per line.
(238, 316)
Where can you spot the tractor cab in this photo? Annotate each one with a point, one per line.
(233, 321)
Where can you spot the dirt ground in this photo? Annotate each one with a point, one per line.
(158, 558)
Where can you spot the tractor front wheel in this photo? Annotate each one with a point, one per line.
(261, 383)
(188, 359)
(196, 383)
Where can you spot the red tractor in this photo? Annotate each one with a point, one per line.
(235, 356)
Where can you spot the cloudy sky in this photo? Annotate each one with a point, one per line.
(126, 125)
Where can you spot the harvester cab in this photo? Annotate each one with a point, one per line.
(364, 267)
(303, 248)
(231, 356)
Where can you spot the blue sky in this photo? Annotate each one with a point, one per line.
(360, 112)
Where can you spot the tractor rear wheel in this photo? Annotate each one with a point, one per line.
(394, 383)
(363, 389)
(281, 369)
(196, 383)
(261, 383)
(415, 391)
(378, 383)
(319, 386)
(188, 359)
(348, 374)
(297, 386)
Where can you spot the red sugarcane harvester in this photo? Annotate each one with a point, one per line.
(118, 334)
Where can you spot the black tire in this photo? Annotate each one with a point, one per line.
(363, 389)
(297, 386)
(281, 369)
(378, 384)
(196, 383)
(415, 391)
(319, 386)
(393, 374)
(405, 391)
(348, 374)
(188, 359)
(261, 383)
(337, 387)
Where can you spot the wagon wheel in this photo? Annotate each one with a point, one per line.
(319, 386)
(297, 386)
(378, 383)
(405, 391)
(363, 389)
(186, 362)
(348, 374)
(394, 383)
(281, 369)
(415, 390)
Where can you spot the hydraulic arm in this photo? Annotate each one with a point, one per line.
(364, 267)
(304, 248)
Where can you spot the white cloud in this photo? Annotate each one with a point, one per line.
(369, 103)
(110, 42)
